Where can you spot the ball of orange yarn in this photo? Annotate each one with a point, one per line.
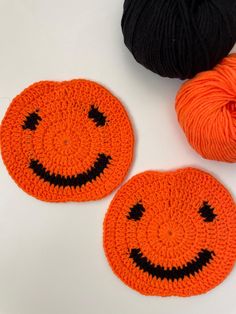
(206, 109)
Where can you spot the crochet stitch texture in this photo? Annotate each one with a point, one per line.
(171, 233)
(67, 141)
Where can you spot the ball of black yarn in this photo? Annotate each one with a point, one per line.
(179, 38)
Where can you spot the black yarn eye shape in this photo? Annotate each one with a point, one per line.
(32, 121)
(207, 212)
(136, 212)
(98, 117)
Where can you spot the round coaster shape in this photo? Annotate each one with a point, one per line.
(67, 141)
(171, 233)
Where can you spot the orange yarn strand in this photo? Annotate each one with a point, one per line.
(206, 109)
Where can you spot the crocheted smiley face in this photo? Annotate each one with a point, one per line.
(68, 141)
(171, 233)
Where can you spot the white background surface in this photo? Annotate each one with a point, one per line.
(51, 255)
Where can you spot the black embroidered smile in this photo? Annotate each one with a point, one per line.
(203, 258)
(77, 180)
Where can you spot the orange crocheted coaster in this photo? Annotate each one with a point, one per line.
(171, 233)
(68, 141)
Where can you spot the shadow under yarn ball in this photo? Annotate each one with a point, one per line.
(179, 38)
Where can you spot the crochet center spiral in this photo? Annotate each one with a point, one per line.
(171, 233)
(67, 141)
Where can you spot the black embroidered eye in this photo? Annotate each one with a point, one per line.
(207, 212)
(32, 121)
(98, 117)
(136, 212)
